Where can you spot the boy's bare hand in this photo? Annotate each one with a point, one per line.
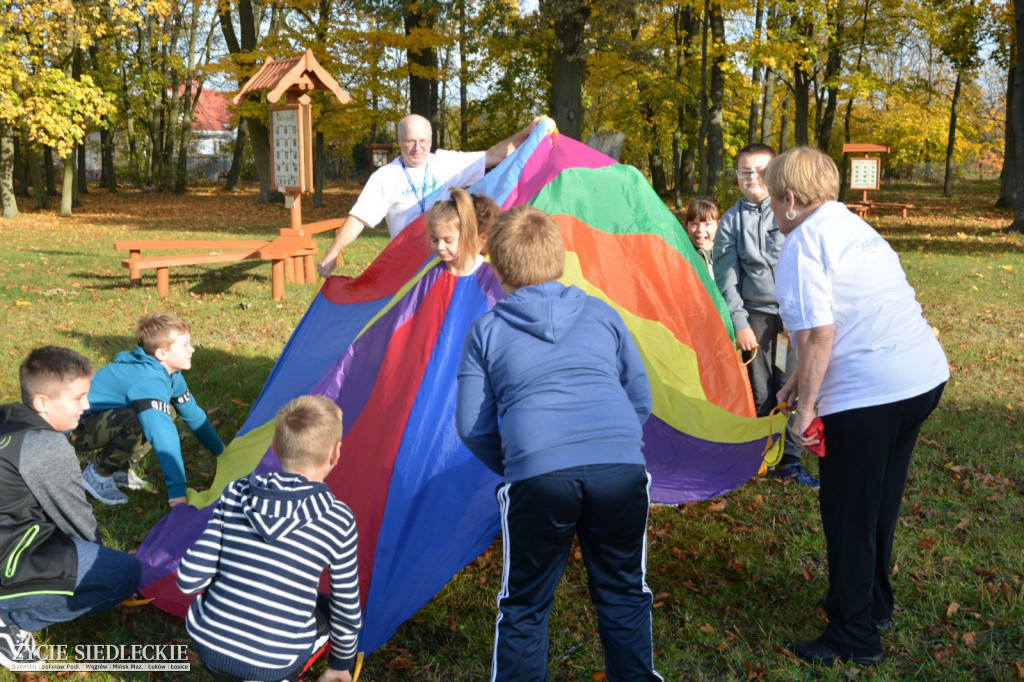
(746, 340)
(175, 501)
(330, 675)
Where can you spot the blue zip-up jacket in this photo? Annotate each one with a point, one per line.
(564, 376)
(747, 247)
(137, 379)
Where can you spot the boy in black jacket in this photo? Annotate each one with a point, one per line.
(54, 567)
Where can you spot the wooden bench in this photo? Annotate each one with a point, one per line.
(887, 204)
(292, 258)
(862, 208)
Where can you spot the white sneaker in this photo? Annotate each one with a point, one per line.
(102, 488)
(129, 480)
(16, 645)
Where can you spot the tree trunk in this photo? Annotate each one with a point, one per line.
(259, 138)
(185, 135)
(68, 186)
(422, 68)
(1018, 106)
(235, 172)
(801, 105)
(830, 85)
(947, 186)
(702, 99)
(568, 64)
(7, 199)
(75, 203)
(51, 172)
(463, 79)
(35, 173)
(318, 169)
(753, 119)
(109, 169)
(1008, 174)
(716, 139)
(783, 125)
(20, 165)
(83, 170)
(684, 137)
(768, 107)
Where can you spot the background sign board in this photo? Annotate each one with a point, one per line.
(290, 148)
(865, 173)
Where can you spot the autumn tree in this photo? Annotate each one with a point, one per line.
(58, 104)
(957, 33)
(1018, 105)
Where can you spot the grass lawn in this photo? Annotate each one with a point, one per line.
(735, 578)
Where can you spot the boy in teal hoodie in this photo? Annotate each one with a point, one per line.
(131, 402)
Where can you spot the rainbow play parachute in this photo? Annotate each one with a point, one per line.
(386, 347)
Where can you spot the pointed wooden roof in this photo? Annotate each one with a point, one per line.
(278, 76)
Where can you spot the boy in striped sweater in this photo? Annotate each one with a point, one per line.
(261, 556)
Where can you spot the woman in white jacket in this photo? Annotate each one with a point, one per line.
(870, 366)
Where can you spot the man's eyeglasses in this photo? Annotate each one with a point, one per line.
(750, 174)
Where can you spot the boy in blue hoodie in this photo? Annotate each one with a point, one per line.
(131, 402)
(561, 372)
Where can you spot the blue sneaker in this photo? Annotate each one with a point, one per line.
(797, 474)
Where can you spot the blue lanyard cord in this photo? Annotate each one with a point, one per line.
(421, 199)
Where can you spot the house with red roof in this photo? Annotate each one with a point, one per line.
(213, 136)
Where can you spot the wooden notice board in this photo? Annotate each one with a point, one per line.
(291, 149)
(865, 173)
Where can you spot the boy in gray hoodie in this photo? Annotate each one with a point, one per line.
(747, 247)
(55, 565)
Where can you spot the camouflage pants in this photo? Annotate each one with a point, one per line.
(118, 436)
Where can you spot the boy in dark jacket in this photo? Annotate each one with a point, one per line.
(54, 567)
(131, 413)
(564, 376)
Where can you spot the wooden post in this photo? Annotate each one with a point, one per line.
(163, 281)
(277, 279)
(309, 262)
(134, 273)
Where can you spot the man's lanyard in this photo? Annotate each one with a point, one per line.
(421, 199)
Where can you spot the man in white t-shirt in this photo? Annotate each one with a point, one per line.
(400, 190)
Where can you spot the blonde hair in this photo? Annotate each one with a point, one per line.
(458, 211)
(154, 330)
(305, 431)
(810, 174)
(47, 370)
(525, 247)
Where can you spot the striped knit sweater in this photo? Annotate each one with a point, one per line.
(260, 559)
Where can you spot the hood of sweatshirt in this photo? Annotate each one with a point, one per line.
(546, 311)
(278, 503)
(137, 356)
(17, 417)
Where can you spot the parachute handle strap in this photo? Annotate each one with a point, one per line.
(771, 443)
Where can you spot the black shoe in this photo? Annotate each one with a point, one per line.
(816, 651)
(16, 645)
